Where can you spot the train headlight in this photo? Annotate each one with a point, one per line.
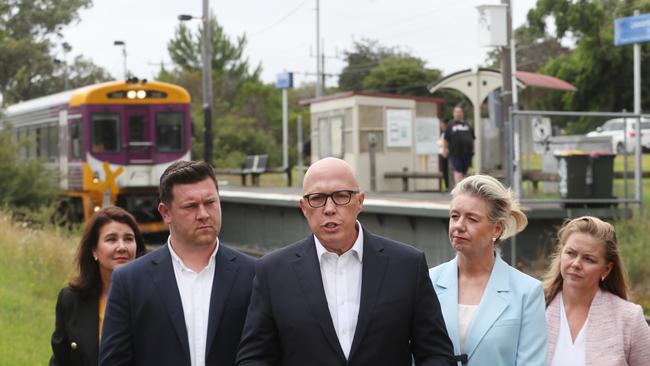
(131, 94)
(141, 94)
(95, 177)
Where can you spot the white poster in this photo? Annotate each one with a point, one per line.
(398, 128)
(427, 131)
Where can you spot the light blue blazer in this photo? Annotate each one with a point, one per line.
(509, 327)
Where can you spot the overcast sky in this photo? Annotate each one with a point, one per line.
(282, 33)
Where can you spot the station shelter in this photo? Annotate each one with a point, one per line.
(379, 134)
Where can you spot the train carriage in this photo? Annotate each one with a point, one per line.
(107, 143)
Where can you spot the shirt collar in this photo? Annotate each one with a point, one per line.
(179, 260)
(357, 247)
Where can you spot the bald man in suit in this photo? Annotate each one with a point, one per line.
(342, 296)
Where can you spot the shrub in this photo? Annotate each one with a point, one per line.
(25, 184)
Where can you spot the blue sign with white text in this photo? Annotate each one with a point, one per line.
(284, 80)
(631, 30)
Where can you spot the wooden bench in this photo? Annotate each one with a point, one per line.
(536, 176)
(405, 175)
(255, 165)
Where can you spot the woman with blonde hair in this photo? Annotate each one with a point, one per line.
(588, 318)
(494, 314)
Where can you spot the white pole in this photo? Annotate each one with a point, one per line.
(126, 71)
(285, 129)
(478, 127)
(299, 147)
(516, 176)
(637, 110)
(206, 55)
(318, 61)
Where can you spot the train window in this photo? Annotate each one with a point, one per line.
(75, 140)
(169, 131)
(137, 139)
(53, 144)
(47, 143)
(105, 132)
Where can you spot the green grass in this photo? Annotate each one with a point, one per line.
(34, 265)
(634, 245)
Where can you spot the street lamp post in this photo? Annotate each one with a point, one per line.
(206, 56)
(123, 45)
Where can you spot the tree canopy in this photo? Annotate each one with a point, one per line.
(372, 66)
(601, 71)
(247, 115)
(30, 36)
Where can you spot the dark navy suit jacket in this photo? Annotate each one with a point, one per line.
(399, 319)
(144, 322)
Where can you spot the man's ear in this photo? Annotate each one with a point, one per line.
(361, 196)
(303, 206)
(164, 212)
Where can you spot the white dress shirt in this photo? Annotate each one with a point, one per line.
(567, 352)
(195, 289)
(342, 283)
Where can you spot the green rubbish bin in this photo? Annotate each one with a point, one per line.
(572, 169)
(602, 173)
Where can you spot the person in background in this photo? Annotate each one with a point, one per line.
(588, 318)
(110, 239)
(342, 295)
(443, 153)
(494, 313)
(459, 142)
(184, 303)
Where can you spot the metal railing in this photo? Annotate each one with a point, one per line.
(514, 171)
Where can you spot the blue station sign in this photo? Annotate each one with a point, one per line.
(631, 30)
(284, 80)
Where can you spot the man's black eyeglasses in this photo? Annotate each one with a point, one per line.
(340, 198)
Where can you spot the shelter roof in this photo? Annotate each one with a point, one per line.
(348, 94)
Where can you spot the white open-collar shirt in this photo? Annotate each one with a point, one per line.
(195, 290)
(342, 283)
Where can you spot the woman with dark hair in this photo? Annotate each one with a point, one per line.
(111, 238)
(588, 318)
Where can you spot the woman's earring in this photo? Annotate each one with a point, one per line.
(494, 239)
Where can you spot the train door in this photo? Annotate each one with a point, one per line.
(138, 136)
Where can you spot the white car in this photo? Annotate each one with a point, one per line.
(623, 134)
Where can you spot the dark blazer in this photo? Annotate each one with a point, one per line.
(75, 339)
(289, 322)
(144, 322)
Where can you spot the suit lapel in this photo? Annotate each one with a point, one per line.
(162, 274)
(372, 276)
(89, 332)
(446, 287)
(225, 272)
(493, 303)
(553, 325)
(307, 269)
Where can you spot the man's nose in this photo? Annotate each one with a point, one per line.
(330, 206)
(202, 213)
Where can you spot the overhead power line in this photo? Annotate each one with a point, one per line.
(279, 21)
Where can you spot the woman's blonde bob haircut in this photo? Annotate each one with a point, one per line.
(504, 207)
(600, 230)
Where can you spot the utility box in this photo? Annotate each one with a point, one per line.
(493, 26)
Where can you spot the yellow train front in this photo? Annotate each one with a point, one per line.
(108, 143)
